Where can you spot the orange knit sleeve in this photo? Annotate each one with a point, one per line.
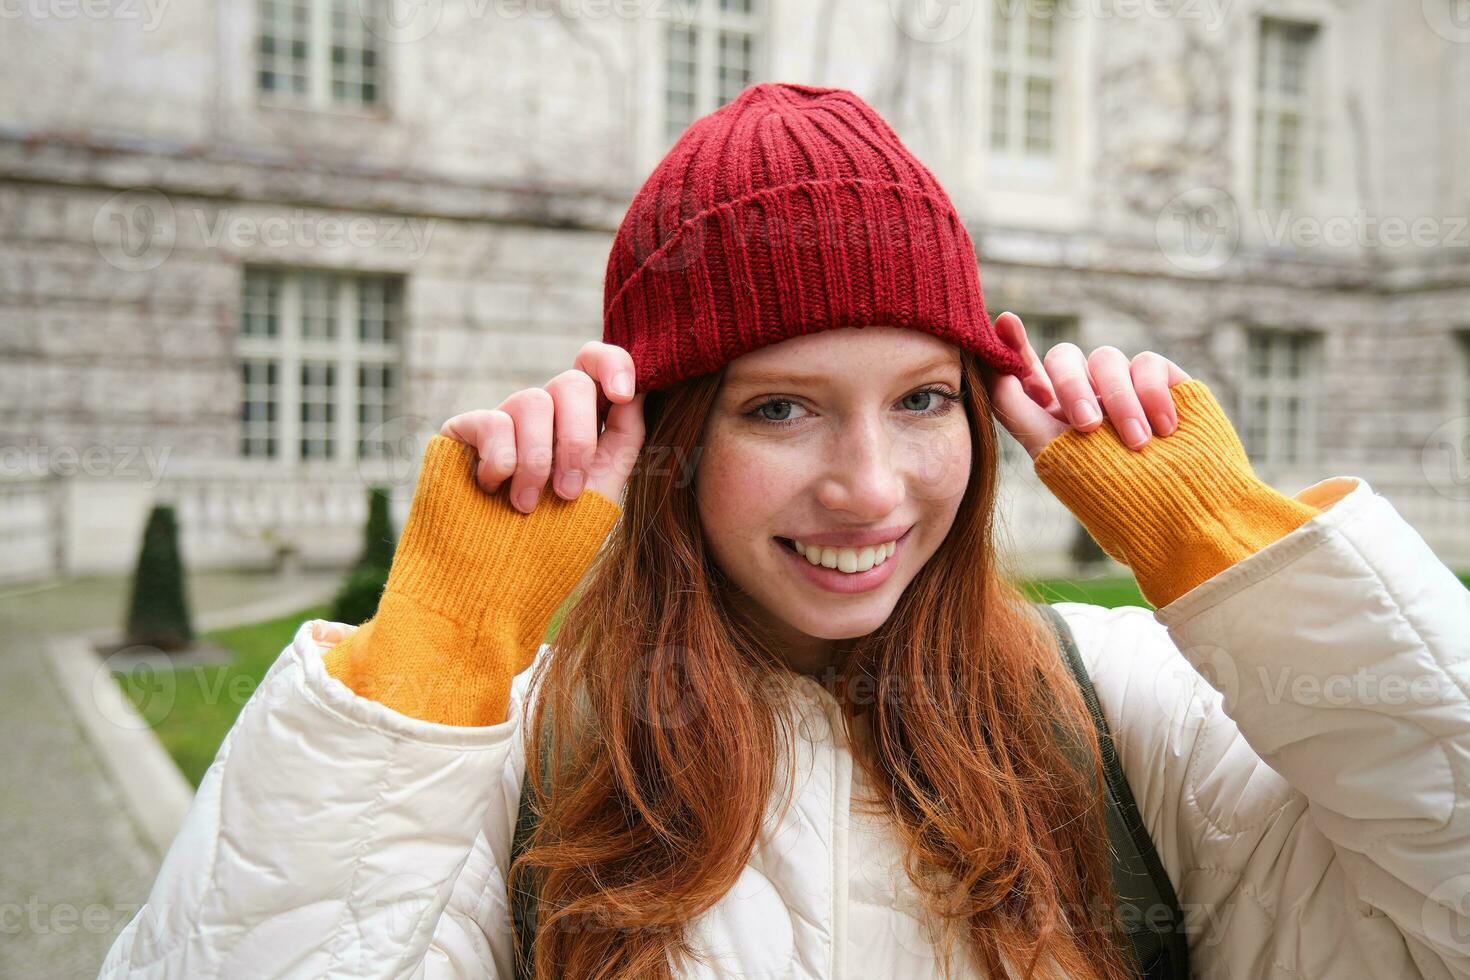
(1181, 509)
(474, 584)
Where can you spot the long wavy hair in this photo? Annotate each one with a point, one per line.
(663, 720)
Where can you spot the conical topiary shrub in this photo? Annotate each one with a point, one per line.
(357, 599)
(1086, 552)
(158, 613)
(377, 543)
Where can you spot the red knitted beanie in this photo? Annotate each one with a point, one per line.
(792, 209)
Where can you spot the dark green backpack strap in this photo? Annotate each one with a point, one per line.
(1147, 905)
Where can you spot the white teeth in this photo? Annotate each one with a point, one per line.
(848, 559)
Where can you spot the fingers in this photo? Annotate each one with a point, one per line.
(618, 448)
(552, 431)
(1034, 380)
(1113, 381)
(610, 366)
(492, 434)
(1133, 395)
(575, 430)
(532, 410)
(1150, 374)
(1070, 379)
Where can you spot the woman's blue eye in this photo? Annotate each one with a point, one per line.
(921, 394)
(945, 400)
(774, 401)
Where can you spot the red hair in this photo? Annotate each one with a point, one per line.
(663, 706)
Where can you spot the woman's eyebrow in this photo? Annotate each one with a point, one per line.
(778, 378)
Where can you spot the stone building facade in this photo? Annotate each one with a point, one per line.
(253, 251)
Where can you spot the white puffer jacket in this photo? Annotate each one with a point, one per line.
(1310, 802)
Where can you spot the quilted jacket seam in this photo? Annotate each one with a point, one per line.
(371, 817)
(1284, 552)
(1398, 607)
(224, 767)
(362, 725)
(1193, 797)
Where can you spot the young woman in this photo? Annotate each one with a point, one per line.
(796, 721)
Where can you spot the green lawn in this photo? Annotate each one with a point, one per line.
(1114, 591)
(193, 707)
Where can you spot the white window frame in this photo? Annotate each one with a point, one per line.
(711, 23)
(321, 38)
(1272, 104)
(290, 350)
(1009, 51)
(1265, 438)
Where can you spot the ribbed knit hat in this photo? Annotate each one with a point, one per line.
(790, 210)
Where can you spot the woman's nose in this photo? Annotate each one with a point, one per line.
(863, 475)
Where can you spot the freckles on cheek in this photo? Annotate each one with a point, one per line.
(940, 468)
(737, 484)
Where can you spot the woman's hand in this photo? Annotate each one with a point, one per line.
(1069, 390)
(553, 431)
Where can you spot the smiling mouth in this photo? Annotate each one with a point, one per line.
(887, 550)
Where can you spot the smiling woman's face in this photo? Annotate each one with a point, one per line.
(839, 437)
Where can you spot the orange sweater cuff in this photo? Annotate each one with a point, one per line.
(1180, 510)
(473, 586)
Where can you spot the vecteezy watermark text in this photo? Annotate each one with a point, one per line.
(34, 459)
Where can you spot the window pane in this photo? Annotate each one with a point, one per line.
(258, 402)
(281, 47)
(679, 100)
(1039, 37)
(375, 405)
(262, 306)
(1000, 109)
(1038, 114)
(340, 394)
(318, 409)
(735, 64)
(355, 51)
(1284, 54)
(318, 306)
(378, 302)
(1000, 29)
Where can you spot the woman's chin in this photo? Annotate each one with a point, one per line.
(845, 624)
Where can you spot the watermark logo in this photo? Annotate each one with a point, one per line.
(135, 230)
(148, 676)
(393, 450)
(1450, 19)
(1446, 917)
(1445, 459)
(138, 230)
(1175, 687)
(932, 21)
(35, 460)
(1198, 231)
(401, 21)
(149, 12)
(1362, 230)
(301, 229)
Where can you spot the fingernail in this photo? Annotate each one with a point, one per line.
(622, 383)
(1084, 413)
(1133, 433)
(528, 499)
(571, 484)
(1169, 426)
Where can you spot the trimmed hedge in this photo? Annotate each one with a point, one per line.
(158, 610)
